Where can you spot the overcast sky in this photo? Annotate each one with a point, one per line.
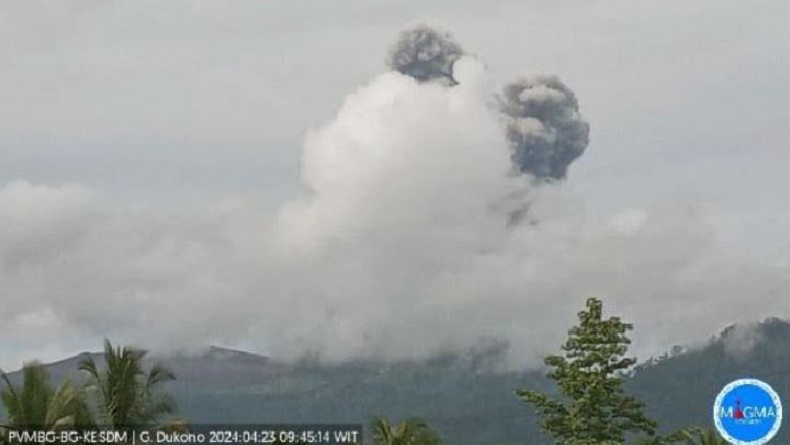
(151, 153)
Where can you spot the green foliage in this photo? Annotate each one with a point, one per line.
(593, 408)
(28, 405)
(412, 431)
(128, 396)
(37, 405)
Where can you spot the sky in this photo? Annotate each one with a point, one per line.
(251, 174)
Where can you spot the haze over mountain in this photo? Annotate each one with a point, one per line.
(464, 396)
(398, 205)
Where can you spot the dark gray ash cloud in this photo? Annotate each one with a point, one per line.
(425, 53)
(545, 129)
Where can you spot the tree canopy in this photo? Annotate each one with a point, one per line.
(592, 407)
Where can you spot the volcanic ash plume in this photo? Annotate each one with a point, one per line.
(398, 249)
(544, 127)
(425, 54)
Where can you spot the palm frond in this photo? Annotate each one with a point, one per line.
(129, 396)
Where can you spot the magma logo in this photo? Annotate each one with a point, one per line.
(747, 412)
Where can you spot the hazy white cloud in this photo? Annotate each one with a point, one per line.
(399, 247)
(38, 223)
(399, 243)
(739, 340)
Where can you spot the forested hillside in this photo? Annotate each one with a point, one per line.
(459, 395)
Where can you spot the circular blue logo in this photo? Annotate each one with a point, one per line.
(747, 412)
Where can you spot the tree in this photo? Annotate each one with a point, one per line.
(37, 405)
(28, 405)
(592, 407)
(128, 396)
(412, 431)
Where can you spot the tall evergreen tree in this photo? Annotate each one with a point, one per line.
(592, 407)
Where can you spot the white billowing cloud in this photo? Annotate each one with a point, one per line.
(399, 248)
(38, 226)
(33, 218)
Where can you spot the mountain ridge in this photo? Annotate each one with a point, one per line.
(468, 405)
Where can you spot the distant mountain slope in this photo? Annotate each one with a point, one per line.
(458, 395)
(680, 390)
